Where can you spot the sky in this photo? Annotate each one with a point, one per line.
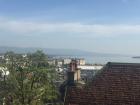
(108, 26)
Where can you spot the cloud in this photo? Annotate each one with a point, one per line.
(26, 27)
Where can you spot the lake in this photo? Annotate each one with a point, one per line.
(104, 60)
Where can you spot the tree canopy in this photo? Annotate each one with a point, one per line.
(31, 81)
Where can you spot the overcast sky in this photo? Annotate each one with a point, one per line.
(109, 26)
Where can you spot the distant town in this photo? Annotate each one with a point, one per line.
(61, 64)
(87, 71)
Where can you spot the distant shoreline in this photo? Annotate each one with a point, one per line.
(136, 57)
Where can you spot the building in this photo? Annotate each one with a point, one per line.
(81, 61)
(116, 84)
(24, 55)
(66, 61)
(51, 61)
(56, 62)
(59, 62)
(3, 73)
(87, 72)
(1, 56)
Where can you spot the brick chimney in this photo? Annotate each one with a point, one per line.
(73, 74)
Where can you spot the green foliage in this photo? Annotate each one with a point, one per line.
(38, 59)
(30, 82)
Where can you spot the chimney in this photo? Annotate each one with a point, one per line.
(73, 74)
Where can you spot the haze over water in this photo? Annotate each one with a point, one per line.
(104, 60)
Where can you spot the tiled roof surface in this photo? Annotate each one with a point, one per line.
(116, 84)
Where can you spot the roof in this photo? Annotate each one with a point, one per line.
(116, 84)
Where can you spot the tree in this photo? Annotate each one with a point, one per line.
(30, 82)
(38, 59)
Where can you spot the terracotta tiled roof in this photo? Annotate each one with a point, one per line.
(116, 84)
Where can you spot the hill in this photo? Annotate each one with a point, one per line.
(57, 52)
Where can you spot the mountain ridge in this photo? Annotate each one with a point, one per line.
(55, 51)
